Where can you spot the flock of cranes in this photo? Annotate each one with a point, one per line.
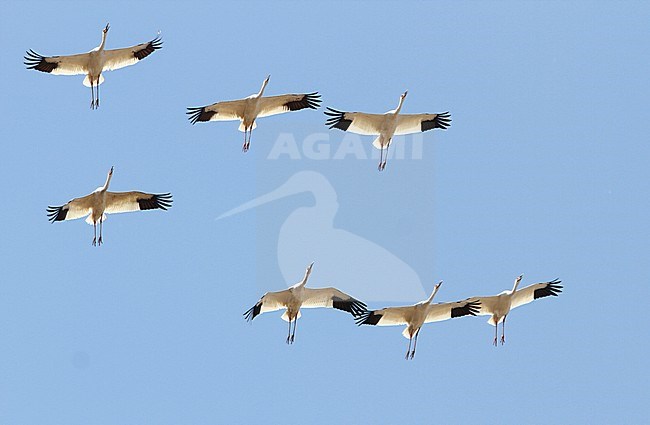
(413, 316)
(100, 202)
(246, 110)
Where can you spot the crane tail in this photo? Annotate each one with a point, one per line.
(87, 80)
(241, 126)
(377, 143)
(285, 316)
(89, 219)
(405, 333)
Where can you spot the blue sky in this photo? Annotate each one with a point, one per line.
(543, 172)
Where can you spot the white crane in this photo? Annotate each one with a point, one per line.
(93, 63)
(101, 202)
(255, 106)
(414, 316)
(297, 296)
(385, 126)
(498, 306)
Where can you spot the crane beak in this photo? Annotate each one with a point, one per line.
(438, 284)
(310, 266)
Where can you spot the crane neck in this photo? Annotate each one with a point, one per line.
(433, 294)
(108, 181)
(517, 281)
(303, 282)
(399, 106)
(262, 88)
(103, 43)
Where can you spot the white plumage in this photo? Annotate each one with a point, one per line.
(297, 297)
(498, 306)
(93, 63)
(414, 316)
(101, 202)
(255, 106)
(385, 126)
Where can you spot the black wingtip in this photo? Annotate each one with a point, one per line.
(352, 306)
(441, 121)
(551, 289)
(33, 60)
(161, 201)
(196, 114)
(337, 119)
(308, 100)
(368, 318)
(56, 213)
(252, 312)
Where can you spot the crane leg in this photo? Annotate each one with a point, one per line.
(383, 165)
(244, 148)
(503, 332)
(101, 225)
(289, 336)
(408, 351)
(496, 328)
(94, 233)
(415, 343)
(97, 100)
(293, 335)
(381, 158)
(92, 95)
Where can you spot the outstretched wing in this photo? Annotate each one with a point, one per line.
(57, 65)
(389, 316)
(221, 111)
(332, 298)
(535, 291)
(355, 122)
(444, 311)
(274, 105)
(487, 304)
(119, 202)
(271, 301)
(119, 58)
(76, 208)
(417, 123)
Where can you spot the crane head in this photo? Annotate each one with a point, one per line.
(105, 30)
(110, 173)
(404, 94)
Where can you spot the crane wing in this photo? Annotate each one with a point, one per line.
(118, 202)
(332, 298)
(119, 58)
(57, 65)
(487, 304)
(355, 122)
(76, 208)
(271, 301)
(444, 311)
(389, 316)
(535, 291)
(416, 123)
(221, 111)
(274, 105)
